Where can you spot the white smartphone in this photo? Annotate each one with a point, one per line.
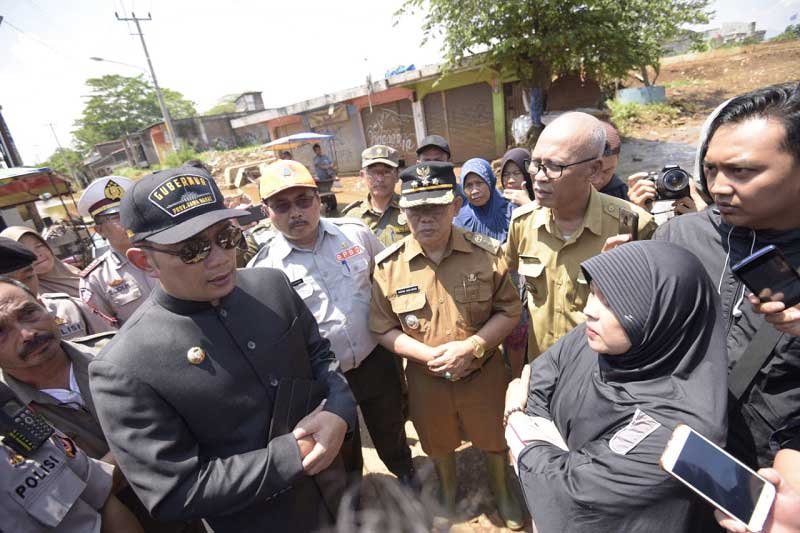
(718, 477)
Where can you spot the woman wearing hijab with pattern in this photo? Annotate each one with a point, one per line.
(54, 274)
(515, 177)
(485, 211)
(604, 400)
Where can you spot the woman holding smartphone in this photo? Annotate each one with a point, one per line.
(588, 431)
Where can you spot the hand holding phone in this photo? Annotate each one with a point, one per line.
(769, 276)
(629, 223)
(718, 477)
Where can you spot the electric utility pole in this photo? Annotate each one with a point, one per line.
(161, 103)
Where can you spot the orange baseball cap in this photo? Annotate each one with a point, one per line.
(281, 175)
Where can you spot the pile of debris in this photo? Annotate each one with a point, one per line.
(218, 162)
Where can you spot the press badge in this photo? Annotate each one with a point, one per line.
(638, 429)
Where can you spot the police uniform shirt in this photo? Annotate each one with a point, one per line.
(114, 287)
(550, 265)
(335, 282)
(76, 420)
(56, 487)
(185, 395)
(435, 304)
(72, 316)
(389, 226)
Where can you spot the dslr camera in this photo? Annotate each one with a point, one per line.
(671, 183)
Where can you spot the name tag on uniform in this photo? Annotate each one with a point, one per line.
(350, 252)
(411, 289)
(303, 287)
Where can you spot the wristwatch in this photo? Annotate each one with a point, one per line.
(478, 350)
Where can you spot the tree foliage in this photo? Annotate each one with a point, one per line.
(226, 104)
(536, 40)
(67, 162)
(120, 105)
(791, 33)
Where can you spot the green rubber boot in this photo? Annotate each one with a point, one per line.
(448, 482)
(507, 504)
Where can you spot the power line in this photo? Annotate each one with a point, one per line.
(162, 104)
(35, 38)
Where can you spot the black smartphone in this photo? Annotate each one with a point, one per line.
(20, 428)
(629, 223)
(769, 276)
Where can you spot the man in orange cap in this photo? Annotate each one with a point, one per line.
(329, 263)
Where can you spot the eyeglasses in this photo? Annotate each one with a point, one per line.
(303, 202)
(552, 170)
(197, 250)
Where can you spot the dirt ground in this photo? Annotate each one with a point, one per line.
(696, 83)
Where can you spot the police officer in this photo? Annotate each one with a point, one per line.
(73, 317)
(197, 392)
(380, 210)
(110, 284)
(329, 262)
(48, 483)
(443, 299)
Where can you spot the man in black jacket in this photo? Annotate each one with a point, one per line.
(751, 166)
(188, 393)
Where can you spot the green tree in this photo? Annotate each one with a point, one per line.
(68, 163)
(536, 40)
(791, 33)
(120, 105)
(226, 104)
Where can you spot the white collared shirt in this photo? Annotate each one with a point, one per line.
(335, 281)
(70, 397)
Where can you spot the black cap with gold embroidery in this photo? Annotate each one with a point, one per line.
(427, 183)
(172, 205)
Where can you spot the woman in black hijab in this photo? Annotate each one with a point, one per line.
(515, 178)
(651, 355)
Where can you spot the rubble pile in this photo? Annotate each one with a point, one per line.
(218, 161)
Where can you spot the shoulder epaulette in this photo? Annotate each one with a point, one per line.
(482, 241)
(523, 210)
(351, 205)
(55, 295)
(341, 221)
(388, 251)
(91, 266)
(96, 340)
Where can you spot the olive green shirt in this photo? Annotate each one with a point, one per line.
(556, 287)
(389, 226)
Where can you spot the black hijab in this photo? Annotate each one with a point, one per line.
(522, 158)
(676, 368)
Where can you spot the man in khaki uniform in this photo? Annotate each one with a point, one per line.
(569, 223)
(442, 298)
(73, 317)
(380, 211)
(110, 284)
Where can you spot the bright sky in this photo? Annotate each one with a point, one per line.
(291, 51)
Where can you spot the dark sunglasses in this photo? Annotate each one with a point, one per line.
(197, 250)
(302, 202)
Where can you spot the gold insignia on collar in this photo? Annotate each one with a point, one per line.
(113, 191)
(196, 355)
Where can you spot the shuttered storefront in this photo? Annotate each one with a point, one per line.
(392, 124)
(464, 117)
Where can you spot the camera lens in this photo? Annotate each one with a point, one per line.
(676, 180)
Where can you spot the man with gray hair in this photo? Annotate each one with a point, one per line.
(569, 223)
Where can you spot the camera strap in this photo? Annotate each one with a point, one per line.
(755, 356)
